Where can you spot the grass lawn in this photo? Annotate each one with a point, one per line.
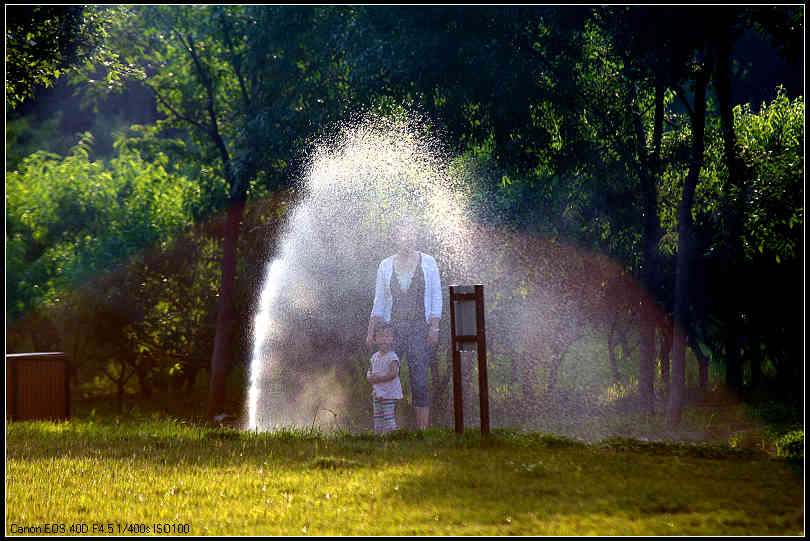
(154, 474)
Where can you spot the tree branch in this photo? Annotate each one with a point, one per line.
(111, 378)
(176, 113)
(129, 376)
(235, 190)
(682, 97)
(234, 61)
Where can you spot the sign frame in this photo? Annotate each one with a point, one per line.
(461, 296)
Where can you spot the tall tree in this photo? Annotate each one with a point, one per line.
(185, 56)
(248, 84)
(723, 40)
(645, 39)
(780, 23)
(702, 67)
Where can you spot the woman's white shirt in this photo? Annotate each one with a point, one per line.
(404, 278)
(383, 300)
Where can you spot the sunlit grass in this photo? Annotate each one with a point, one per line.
(225, 481)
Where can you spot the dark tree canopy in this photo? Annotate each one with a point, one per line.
(44, 41)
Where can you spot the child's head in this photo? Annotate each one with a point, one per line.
(384, 335)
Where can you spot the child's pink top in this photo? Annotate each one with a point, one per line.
(390, 389)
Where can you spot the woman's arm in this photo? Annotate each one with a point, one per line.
(435, 291)
(435, 313)
(379, 303)
(373, 321)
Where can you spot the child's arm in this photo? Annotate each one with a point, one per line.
(390, 373)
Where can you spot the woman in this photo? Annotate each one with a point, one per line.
(408, 294)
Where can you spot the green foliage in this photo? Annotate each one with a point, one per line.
(780, 416)
(45, 42)
(772, 144)
(71, 218)
(41, 41)
(26, 135)
(791, 445)
(246, 85)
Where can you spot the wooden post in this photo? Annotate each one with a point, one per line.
(483, 385)
(457, 397)
(464, 336)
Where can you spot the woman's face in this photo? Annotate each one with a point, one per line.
(406, 238)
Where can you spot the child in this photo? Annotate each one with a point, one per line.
(384, 377)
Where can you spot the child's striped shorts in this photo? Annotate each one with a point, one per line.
(384, 418)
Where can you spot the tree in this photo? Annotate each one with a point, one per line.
(780, 24)
(585, 122)
(575, 108)
(244, 83)
(76, 233)
(657, 45)
(702, 69)
(770, 149)
(45, 42)
(736, 185)
(70, 218)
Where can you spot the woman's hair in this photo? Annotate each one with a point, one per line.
(410, 223)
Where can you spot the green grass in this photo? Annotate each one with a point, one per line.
(150, 469)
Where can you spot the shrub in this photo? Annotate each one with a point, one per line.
(791, 445)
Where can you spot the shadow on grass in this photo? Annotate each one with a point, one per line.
(554, 479)
(35, 439)
(519, 476)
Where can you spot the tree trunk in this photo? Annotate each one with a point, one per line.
(683, 263)
(733, 356)
(612, 353)
(190, 375)
(143, 379)
(557, 357)
(120, 396)
(756, 360)
(734, 202)
(646, 371)
(703, 369)
(226, 313)
(529, 373)
(554, 364)
(664, 353)
(439, 394)
(121, 384)
(648, 173)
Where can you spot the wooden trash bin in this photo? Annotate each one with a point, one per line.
(37, 386)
